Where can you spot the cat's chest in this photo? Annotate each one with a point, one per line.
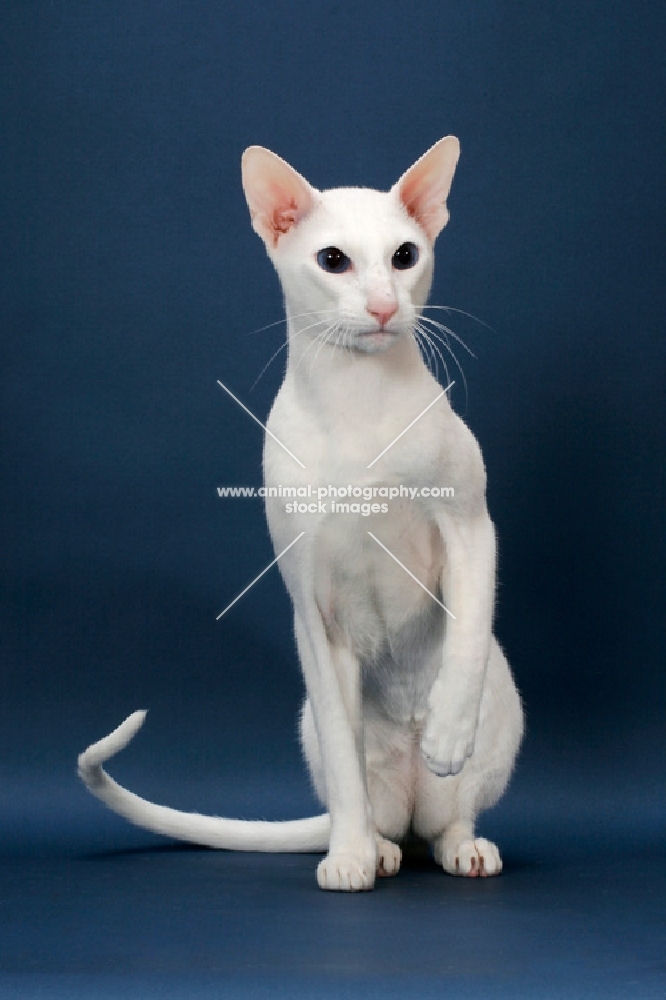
(407, 435)
(408, 438)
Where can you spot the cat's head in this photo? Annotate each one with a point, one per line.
(355, 264)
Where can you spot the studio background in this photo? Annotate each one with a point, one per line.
(131, 281)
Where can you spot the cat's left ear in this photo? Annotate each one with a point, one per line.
(424, 188)
(277, 196)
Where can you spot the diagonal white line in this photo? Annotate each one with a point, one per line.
(411, 574)
(258, 577)
(251, 414)
(409, 425)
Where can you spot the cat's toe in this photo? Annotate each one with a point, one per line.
(346, 873)
(477, 858)
(490, 862)
(389, 857)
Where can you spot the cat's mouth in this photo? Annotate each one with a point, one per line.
(371, 341)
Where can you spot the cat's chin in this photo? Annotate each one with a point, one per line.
(375, 341)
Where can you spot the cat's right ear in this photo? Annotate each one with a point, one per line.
(277, 196)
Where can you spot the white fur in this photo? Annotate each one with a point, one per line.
(412, 720)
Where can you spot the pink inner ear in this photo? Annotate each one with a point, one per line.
(285, 215)
(425, 201)
(424, 188)
(414, 196)
(277, 195)
(278, 209)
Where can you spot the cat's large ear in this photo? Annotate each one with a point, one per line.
(424, 188)
(277, 196)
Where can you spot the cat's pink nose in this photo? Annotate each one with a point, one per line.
(383, 313)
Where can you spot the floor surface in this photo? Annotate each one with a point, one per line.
(104, 910)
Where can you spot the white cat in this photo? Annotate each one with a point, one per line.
(412, 721)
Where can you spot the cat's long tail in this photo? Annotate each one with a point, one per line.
(310, 834)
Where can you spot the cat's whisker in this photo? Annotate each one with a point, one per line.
(285, 344)
(426, 334)
(339, 341)
(268, 363)
(447, 331)
(428, 350)
(311, 326)
(437, 354)
(444, 341)
(425, 350)
(285, 319)
(427, 361)
(268, 326)
(336, 339)
(348, 338)
(323, 338)
(461, 312)
(319, 339)
(337, 334)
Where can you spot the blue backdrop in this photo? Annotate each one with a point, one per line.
(131, 281)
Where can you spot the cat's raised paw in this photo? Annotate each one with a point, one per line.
(448, 739)
(346, 873)
(444, 758)
(389, 857)
(477, 858)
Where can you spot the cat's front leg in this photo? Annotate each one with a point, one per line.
(452, 717)
(333, 685)
(468, 584)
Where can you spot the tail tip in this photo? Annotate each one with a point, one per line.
(94, 756)
(137, 719)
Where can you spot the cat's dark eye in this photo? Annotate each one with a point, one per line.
(333, 260)
(405, 256)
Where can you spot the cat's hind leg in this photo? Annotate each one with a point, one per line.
(446, 807)
(389, 856)
(389, 756)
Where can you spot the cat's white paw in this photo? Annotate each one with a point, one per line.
(452, 717)
(476, 858)
(450, 729)
(346, 872)
(445, 752)
(389, 857)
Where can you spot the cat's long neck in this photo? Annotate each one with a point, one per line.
(342, 384)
